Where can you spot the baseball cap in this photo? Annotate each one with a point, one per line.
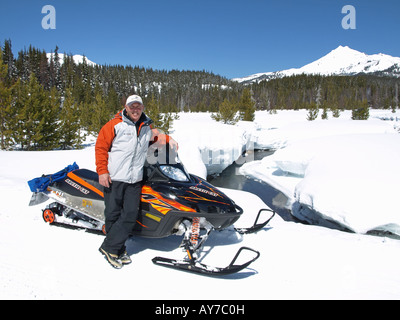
(134, 98)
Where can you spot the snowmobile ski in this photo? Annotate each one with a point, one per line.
(192, 265)
(192, 244)
(256, 226)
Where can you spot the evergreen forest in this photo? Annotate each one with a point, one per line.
(50, 102)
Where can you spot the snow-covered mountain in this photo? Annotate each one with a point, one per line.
(341, 61)
(77, 58)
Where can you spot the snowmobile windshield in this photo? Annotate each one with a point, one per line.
(174, 173)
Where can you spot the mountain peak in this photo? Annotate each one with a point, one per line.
(344, 49)
(77, 58)
(341, 61)
(335, 62)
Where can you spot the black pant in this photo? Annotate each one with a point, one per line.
(122, 202)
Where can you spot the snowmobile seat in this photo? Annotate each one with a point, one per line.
(90, 177)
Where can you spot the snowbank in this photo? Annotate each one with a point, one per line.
(217, 145)
(354, 181)
(339, 171)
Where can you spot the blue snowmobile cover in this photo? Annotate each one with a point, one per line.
(40, 184)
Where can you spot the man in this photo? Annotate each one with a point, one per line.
(121, 150)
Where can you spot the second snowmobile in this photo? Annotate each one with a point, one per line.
(172, 202)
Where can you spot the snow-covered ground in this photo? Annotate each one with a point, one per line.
(345, 169)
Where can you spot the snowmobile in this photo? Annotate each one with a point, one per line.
(173, 202)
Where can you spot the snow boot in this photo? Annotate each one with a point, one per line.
(112, 259)
(124, 258)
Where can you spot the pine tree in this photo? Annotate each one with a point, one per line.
(44, 72)
(162, 121)
(324, 115)
(312, 112)
(8, 59)
(37, 117)
(51, 114)
(98, 111)
(360, 111)
(113, 101)
(395, 104)
(246, 106)
(57, 70)
(70, 133)
(152, 110)
(6, 107)
(227, 113)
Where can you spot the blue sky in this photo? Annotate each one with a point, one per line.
(232, 38)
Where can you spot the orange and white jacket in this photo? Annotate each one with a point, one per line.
(122, 145)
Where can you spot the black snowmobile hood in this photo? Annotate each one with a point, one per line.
(165, 174)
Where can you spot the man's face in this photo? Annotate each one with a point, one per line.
(134, 111)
